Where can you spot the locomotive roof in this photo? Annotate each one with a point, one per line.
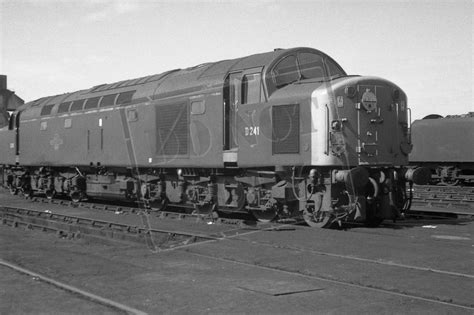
(179, 81)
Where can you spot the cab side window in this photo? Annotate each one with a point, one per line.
(11, 123)
(251, 87)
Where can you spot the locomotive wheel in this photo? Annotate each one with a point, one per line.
(50, 194)
(158, 204)
(204, 209)
(373, 222)
(264, 215)
(28, 192)
(319, 219)
(76, 196)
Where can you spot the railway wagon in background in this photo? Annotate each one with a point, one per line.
(276, 134)
(446, 147)
(9, 102)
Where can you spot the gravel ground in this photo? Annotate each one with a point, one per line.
(24, 294)
(405, 268)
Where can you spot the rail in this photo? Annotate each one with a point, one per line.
(68, 226)
(447, 199)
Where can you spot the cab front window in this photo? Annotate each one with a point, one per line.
(314, 66)
(304, 66)
(311, 66)
(285, 72)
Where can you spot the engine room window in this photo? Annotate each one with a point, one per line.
(125, 97)
(311, 66)
(108, 100)
(92, 102)
(77, 105)
(46, 110)
(285, 72)
(63, 107)
(251, 88)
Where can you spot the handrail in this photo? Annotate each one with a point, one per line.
(409, 125)
(327, 129)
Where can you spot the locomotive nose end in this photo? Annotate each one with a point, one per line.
(419, 175)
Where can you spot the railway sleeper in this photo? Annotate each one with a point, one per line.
(68, 227)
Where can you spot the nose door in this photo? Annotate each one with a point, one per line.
(379, 135)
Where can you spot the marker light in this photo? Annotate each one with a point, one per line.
(350, 91)
(396, 94)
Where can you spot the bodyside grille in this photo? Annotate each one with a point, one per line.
(286, 129)
(172, 130)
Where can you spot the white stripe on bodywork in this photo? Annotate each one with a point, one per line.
(319, 101)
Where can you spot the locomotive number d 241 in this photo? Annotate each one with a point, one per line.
(252, 131)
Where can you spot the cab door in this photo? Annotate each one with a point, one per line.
(9, 141)
(232, 100)
(17, 134)
(242, 93)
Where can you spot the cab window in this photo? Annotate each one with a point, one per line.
(285, 72)
(11, 124)
(334, 69)
(251, 88)
(305, 65)
(311, 66)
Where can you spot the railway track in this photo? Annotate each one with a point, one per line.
(165, 240)
(162, 240)
(444, 199)
(88, 297)
(68, 226)
(429, 203)
(81, 227)
(174, 213)
(354, 283)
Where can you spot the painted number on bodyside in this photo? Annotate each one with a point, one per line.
(252, 131)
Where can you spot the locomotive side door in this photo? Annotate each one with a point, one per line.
(232, 91)
(17, 134)
(241, 88)
(232, 88)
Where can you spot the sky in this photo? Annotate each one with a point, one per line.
(51, 47)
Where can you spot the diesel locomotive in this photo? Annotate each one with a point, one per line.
(446, 147)
(278, 134)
